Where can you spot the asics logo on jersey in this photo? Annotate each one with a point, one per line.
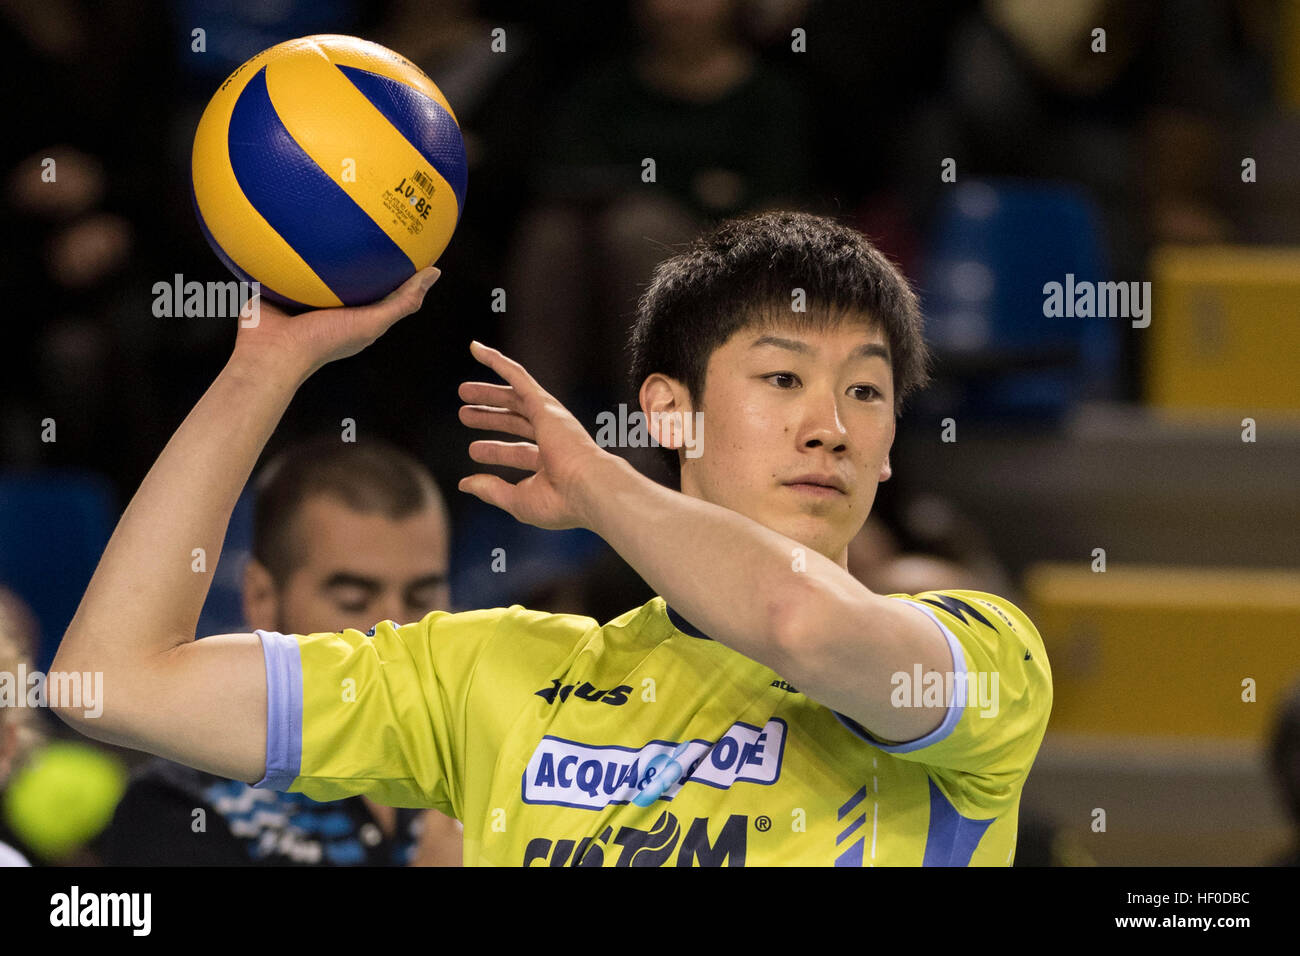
(653, 847)
(566, 773)
(586, 691)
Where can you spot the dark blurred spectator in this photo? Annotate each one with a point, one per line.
(1140, 126)
(76, 167)
(1137, 124)
(1266, 128)
(1284, 762)
(495, 90)
(725, 132)
(940, 548)
(869, 70)
(345, 535)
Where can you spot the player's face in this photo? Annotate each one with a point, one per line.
(360, 568)
(785, 407)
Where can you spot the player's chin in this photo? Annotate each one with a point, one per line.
(819, 529)
(807, 500)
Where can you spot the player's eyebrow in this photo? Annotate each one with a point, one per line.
(428, 581)
(868, 350)
(347, 579)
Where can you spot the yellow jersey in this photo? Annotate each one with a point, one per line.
(559, 741)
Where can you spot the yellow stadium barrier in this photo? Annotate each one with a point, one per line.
(1225, 329)
(1155, 651)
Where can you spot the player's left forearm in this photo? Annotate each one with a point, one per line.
(728, 575)
(769, 597)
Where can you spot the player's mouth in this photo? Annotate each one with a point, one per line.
(818, 486)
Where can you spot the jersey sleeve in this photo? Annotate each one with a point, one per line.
(375, 713)
(997, 701)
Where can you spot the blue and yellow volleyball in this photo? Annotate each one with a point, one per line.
(328, 169)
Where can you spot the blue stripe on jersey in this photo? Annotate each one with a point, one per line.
(952, 838)
(422, 122)
(853, 801)
(853, 855)
(852, 828)
(283, 710)
(311, 212)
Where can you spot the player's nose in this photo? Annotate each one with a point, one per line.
(393, 608)
(822, 424)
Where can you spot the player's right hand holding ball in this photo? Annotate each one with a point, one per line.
(271, 339)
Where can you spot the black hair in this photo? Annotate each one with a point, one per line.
(744, 273)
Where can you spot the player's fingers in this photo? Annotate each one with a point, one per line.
(497, 420)
(402, 301)
(519, 454)
(510, 370)
(485, 393)
(490, 489)
(411, 292)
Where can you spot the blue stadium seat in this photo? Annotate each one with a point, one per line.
(993, 247)
(54, 526)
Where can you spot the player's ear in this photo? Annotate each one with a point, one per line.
(885, 470)
(259, 596)
(664, 402)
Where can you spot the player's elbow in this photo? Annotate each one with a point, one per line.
(75, 694)
(75, 655)
(79, 685)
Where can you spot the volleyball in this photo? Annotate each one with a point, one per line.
(328, 169)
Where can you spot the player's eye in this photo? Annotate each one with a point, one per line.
(787, 376)
(867, 392)
(423, 601)
(350, 600)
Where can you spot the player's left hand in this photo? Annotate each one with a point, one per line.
(558, 451)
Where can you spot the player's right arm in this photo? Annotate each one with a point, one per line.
(201, 703)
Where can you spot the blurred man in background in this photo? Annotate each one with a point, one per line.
(344, 535)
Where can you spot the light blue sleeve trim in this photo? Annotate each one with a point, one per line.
(954, 709)
(283, 710)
